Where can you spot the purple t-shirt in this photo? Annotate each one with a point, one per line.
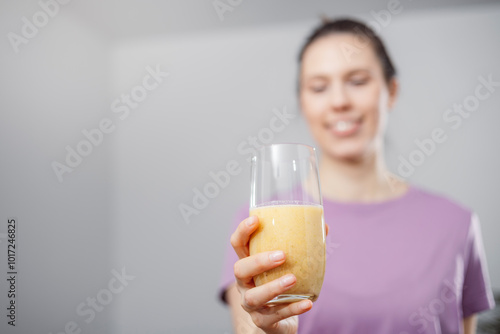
(414, 264)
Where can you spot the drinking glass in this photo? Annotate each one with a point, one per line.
(286, 197)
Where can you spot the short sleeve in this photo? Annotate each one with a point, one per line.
(476, 295)
(227, 277)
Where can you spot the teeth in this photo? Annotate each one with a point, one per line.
(344, 125)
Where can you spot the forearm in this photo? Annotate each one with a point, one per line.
(469, 324)
(242, 322)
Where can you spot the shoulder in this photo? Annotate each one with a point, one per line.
(440, 207)
(239, 215)
(242, 212)
(435, 199)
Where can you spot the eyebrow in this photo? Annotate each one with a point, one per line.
(326, 77)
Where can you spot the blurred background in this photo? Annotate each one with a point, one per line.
(117, 116)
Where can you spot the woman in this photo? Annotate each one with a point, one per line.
(403, 260)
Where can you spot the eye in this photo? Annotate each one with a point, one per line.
(318, 88)
(358, 81)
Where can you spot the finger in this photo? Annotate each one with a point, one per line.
(257, 297)
(240, 237)
(271, 316)
(248, 267)
(327, 228)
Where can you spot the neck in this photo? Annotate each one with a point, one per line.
(364, 180)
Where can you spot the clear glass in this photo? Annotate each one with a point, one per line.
(286, 196)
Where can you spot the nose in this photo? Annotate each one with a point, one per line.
(339, 99)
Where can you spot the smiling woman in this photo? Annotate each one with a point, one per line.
(409, 261)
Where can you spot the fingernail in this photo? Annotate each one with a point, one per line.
(251, 221)
(276, 256)
(287, 280)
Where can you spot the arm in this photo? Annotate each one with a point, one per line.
(469, 324)
(476, 291)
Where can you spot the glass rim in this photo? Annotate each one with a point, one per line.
(286, 144)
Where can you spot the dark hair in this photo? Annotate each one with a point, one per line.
(359, 29)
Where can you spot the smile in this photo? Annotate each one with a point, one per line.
(346, 127)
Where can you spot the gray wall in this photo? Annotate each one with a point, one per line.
(53, 89)
(120, 207)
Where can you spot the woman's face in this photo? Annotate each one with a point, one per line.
(344, 96)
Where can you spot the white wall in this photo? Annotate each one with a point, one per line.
(221, 89)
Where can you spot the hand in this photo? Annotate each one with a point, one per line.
(271, 319)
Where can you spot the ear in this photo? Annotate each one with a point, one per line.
(393, 92)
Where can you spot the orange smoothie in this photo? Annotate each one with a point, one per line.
(297, 230)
